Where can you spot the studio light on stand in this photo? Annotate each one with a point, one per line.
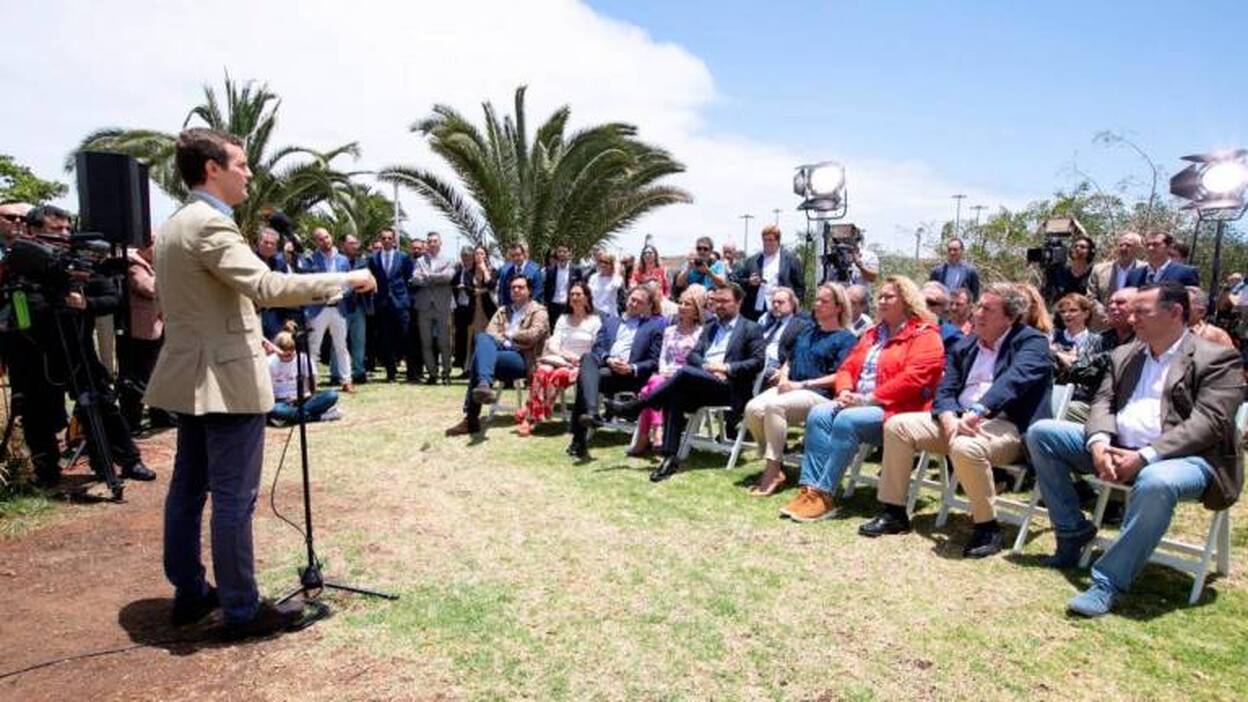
(825, 199)
(1214, 185)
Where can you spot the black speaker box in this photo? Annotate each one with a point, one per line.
(113, 198)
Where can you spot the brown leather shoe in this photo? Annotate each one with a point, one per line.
(796, 503)
(816, 507)
(348, 388)
(463, 428)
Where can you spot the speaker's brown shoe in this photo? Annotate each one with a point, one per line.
(817, 506)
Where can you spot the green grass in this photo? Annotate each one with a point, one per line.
(22, 511)
(525, 575)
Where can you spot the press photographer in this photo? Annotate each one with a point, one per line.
(55, 285)
(845, 260)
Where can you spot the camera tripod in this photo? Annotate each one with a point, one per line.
(311, 579)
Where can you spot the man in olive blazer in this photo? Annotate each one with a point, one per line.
(1163, 422)
(213, 373)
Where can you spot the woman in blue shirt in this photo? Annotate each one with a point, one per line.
(804, 381)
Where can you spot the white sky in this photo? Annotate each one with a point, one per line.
(366, 70)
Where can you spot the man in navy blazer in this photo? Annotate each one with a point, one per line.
(955, 272)
(997, 382)
(771, 268)
(719, 371)
(392, 268)
(1160, 266)
(518, 263)
(625, 354)
(559, 276)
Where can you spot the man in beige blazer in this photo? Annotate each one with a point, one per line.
(1163, 422)
(212, 372)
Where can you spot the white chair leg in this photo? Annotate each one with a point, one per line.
(1198, 585)
(1098, 516)
(686, 441)
(1224, 544)
(916, 482)
(855, 468)
(949, 481)
(736, 449)
(1021, 540)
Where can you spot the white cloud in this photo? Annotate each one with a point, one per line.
(365, 70)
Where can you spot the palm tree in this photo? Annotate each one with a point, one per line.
(292, 178)
(357, 209)
(576, 190)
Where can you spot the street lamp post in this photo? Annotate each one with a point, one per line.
(957, 218)
(745, 248)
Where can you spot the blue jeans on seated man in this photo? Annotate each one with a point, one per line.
(315, 406)
(490, 361)
(832, 438)
(1057, 450)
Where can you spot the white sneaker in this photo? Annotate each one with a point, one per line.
(331, 415)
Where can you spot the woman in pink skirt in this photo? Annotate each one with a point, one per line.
(678, 340)
(572, 338)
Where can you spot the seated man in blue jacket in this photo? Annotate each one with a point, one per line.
(625, 353)
(997, 382)
(719, 371)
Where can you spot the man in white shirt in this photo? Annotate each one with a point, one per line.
(1162, 423)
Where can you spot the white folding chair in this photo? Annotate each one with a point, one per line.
(499, 406)
(1175, 553)
(1018, 512)
(855, 477)
(702, 431)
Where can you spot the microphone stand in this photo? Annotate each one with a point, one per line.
(311, 580)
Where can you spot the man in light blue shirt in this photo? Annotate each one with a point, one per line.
(701, 269)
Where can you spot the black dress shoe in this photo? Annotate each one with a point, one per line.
(1070, 548)
(188, 610)
(591, 421)
(431, 380)
(666, 469)
(270, 619)
(578, 450)
(985, 541)
(628, 410)
(138, 471)
(885, 523)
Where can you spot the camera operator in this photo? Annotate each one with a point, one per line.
(59, 345)
(701, 268)
(851, 264)
(1071, 277)
(12, 223)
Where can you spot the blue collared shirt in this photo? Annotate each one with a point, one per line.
(719, 345)
(622, 348)
(217, 203)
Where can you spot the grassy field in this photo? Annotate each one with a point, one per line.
(525, 575)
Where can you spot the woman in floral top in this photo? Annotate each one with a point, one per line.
(678, 341)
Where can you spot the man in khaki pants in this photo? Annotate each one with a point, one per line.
(997, 382)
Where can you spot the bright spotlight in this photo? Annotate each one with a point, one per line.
(822, 189)
(1215, 182)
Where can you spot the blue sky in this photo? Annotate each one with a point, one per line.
(920, 100)
(999, 96)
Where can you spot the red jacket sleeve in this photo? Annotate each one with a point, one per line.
(851, 367)
(922, 365)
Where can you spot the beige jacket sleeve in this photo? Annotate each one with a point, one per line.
(225, 253)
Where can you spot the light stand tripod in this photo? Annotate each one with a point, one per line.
(311, 581)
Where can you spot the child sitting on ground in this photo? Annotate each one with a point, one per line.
(319, 406)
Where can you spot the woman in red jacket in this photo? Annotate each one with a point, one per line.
(894, 368)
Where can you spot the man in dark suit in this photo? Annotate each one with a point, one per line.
(719, 371)
(518, 263)
(1162, 422)
(461, 316)
(781, 325)
(768, 269)
(996, 382)
(392, 268)
(955, 272)
(625, 354)
(1161, 267)
(559, 276)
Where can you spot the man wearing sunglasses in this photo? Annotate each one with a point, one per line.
(12, 222)
(701, 268)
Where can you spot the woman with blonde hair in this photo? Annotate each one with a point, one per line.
(678, 340)
(604, 286)
(894, 368)
(804, 381)
(1037, 316)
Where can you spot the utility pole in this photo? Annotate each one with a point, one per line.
(978, 209)
(918, 240)
(957, 220)
(776, 212)
(745, 249)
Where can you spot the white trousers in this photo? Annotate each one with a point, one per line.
(329, 318)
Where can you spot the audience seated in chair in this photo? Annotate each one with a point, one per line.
(284, 373)
(1161, 422)
(803, 381)
(573, 337)
(506, 350)
(894, 368)
(720, 371)
(996, 384)
(625, 353)
(679, 338)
